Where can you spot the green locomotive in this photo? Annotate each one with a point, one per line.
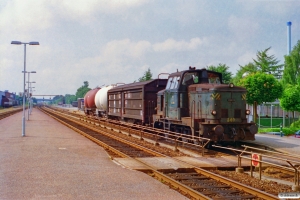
(197, 103)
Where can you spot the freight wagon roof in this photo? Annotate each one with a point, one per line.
(136, 85)
(219, 87)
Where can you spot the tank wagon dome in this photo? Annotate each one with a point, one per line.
(101, 97)
(89, 98)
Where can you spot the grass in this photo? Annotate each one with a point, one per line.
(286, 130)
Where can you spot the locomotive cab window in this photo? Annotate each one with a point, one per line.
(173, 82)
(190, 78)
(176, 81)
(214, 78)
(170, 80)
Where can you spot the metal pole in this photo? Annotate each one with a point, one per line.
(28, 96)
(289, 24)
(31, 101)
(259, 116)
(24, 85)
(23, 118)
(271, 115)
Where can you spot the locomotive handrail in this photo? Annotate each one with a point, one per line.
(162, 74)
(159, 79)
(193, 116)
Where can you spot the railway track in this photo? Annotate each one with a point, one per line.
(193, 182)
(9, 113)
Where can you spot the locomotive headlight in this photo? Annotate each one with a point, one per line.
(231, 85)
(247, 112)
(213, 112)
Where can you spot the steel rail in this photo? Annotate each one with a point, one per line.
(197, 195)
(102, 144)
(119, 139)
(250, 190)
(161, 176)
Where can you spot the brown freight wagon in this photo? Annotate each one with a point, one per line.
(135, 102)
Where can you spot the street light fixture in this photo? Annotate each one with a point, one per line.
(19, 43)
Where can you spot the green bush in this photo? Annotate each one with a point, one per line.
(296, 124)
(286, 130)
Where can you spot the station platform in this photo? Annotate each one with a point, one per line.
(54, 162)
(285, 144)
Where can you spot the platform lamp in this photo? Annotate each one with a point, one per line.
(19, 43)
(29, 97)
(28, 91)
(31, 100)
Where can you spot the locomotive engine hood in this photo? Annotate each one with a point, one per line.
(218, 87)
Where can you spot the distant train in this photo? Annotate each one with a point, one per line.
(193, 102)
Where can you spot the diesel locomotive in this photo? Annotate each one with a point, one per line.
(193, 102)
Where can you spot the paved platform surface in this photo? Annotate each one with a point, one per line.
(287, 144)
(54, 162)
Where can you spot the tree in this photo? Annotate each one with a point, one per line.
(58, 99)
(261, 88)
(291, 70)
(147, 76)
(222, 68)
(69, 98)
(267, 64)
(250, 68)
(290, 100)
(263, 63)
(83, 90)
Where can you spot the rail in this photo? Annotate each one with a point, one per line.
(259, 160)
(141, 131)
(255, 193)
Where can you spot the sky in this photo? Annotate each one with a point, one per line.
(115, 41)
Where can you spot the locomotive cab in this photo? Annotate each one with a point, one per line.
(173, 107)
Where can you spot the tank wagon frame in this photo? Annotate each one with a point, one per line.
(135, 102)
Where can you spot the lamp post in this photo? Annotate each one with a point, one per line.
(28, 91)
(271, 114)
(31, 100)
(19, 43)
(29, 97)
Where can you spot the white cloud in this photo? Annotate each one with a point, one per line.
(173, 45)
(119, 48)
(245, 58)
(29, 15)
(242, 28)
(86, 10)
(108, 41)
(20, 15)
(273, 7)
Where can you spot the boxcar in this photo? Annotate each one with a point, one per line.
(135, 102)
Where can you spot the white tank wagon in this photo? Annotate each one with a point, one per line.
(101, 100)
